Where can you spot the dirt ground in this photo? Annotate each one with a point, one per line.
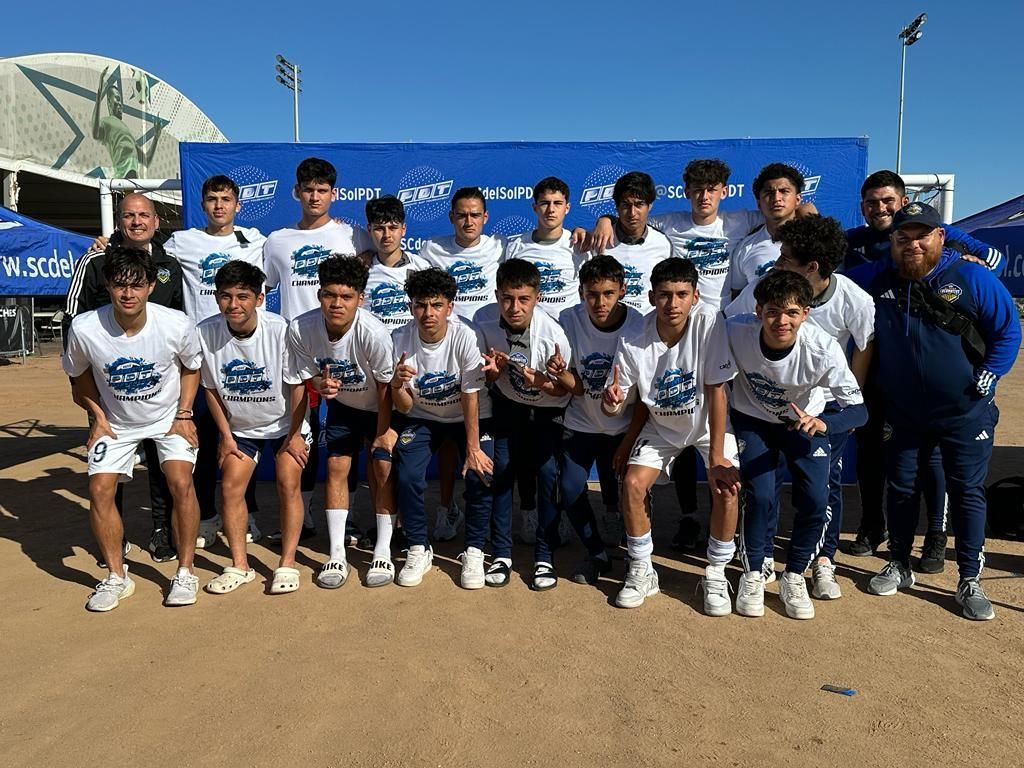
(437, 676)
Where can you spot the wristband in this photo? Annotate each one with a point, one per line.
(187, 411)
(183, 418)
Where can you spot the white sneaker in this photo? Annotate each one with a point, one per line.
(184, 589)
(417, 562)
(641, 582)
(208, 532)
(750, 594)
(447, 522)
(111, 591)
(768, 569)
(253, 534)
(793, 593)
(823, 577)
(716, 591)
(472, 576)
(528, 533)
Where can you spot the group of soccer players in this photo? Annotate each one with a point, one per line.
(515, 362)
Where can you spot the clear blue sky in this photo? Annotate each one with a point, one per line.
(459, 71)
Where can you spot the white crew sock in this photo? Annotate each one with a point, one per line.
(307, 516)
(640, 547)
(720, 552)
(385, 526)
(336, 531)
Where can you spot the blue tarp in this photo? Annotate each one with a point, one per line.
(35, 258)
(1002, 227)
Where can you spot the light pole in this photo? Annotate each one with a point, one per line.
(288, 76)
(909, 35)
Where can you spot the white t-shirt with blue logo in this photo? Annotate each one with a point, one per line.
(708, 246)
(251, 375)
(138, 377)
(201, 255)
(593, 352)
(670, 381)
(385, 290)
(753, 257)
(637, 260)
(474, 269)
(362, 356)
(444, 370)
(764, 388)
(291, 258)
(529, 349)
(559, 267)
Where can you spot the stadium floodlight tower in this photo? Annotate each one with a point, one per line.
(288, 76)
(909, 35)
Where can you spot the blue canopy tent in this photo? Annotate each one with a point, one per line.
(1002, 227)
(35, 258)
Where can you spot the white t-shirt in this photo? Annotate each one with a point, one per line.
(291, 258)
(385, 290)
(559, 267)
(443, 371)
(361, 356)
(251, 375)
(764, 388)
(670, 381)
(708, 246)
(201, 255)
(753, 257)
(474, 269)
(637, 260)
(138, 377)
(529, 349)
(593, 350)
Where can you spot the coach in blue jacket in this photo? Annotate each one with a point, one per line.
(945, 331)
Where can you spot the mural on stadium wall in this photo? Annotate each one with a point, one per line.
(79, 114)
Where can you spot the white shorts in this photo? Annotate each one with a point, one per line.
(652, 450)
(110, 456)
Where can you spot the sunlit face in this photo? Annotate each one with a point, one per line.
(129, 297)
(788, 262)
(778, 199)
(220, 207)
(339, 304)
(780, 323)
(673, 301)
(387, 238)
(517, 305)
(137, 220)
(601, 298)
(880, 205)
(632, 213)
(431, 314)
(468, 217)
(314, 198)
(238, 304)
(551, 209)
(916, 249)
(704, 200)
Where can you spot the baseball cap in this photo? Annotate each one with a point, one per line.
(916, 213)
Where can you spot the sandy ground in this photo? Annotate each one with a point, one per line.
(436, 676)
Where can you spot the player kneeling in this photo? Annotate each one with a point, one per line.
(676, 363)
(258, 402)
(136, 369)
(440, 392)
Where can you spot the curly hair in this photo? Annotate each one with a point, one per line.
(780, 287)
(706, 173)
(815, 238)
(344, 270)
(428, 283)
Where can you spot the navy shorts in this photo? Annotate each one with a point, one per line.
(253, 447)
(348, 429)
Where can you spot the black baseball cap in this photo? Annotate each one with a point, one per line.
(916, 213)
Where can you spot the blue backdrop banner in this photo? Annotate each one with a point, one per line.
(35, 258)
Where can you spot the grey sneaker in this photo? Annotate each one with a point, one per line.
(208, 529)
(971, 598)
(823, 577)
(446, 525)
(184, 589)
(252, 535)
(893, 577)
(112, 590)
(641, 583)
(750, 594)
(793, 593)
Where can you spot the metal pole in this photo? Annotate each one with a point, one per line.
(899, 128)
(295, 90)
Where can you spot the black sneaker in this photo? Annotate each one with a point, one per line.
(867, 543)
(933, 553)
(591, 569)
(687, 538)
(160, 548)
(307, 532)
(353, 533)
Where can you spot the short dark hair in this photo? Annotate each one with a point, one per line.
(880, 179)
(635, 184)
(122, 264)
(815, 238)
(385, 210)
(344, 270)
(469, 193)
(779, 287)
(219, 183)
(674, 270)
(317, 171)
(706, 173)
(550, 184)
(240, 274)
(517, 273)
(428, 283)
(774, 171)
(603, 267)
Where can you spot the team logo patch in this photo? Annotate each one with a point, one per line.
(913, 209)
(707, 252)
(131, 375)
(407, 436)
(768, 393)
(163, 275)
(550, 277)
(306, 260)
(208, 267)
(675, 389)
(950, 292)
(469, 278)
(388, 300)
(634, 280)
(244, 377)
(345, 371)
(594, 371)
(438, 386)
(886, 431)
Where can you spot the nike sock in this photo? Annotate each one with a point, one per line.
(640, 547)
(336, 531)
(385, 525)
(720, 552)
